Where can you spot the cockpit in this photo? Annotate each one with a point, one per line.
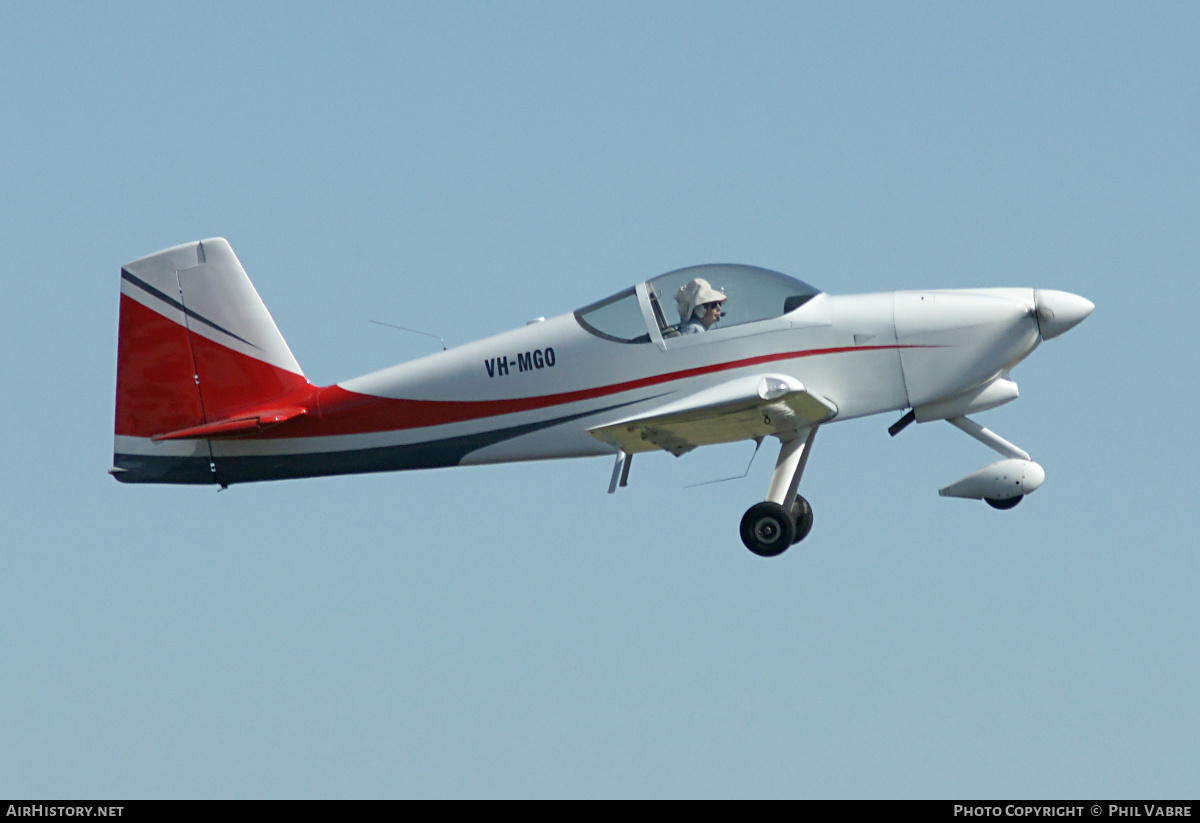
(752, 294)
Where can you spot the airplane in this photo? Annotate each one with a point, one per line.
(208, 392)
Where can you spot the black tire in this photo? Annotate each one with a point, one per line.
(1006, 504)
(802, 516)
(767, 529)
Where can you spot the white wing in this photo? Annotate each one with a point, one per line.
(744, 408)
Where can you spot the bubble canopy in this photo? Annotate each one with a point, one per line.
(752, 294)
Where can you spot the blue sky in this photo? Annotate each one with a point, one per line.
(512, 630)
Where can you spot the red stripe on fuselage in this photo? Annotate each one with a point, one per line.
(345, 412)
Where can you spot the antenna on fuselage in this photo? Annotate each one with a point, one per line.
(414, 331)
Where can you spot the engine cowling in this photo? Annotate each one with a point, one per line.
(996, 393)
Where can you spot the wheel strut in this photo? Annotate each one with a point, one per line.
(789, 468)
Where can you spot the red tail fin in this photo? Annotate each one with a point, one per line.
(196, 346)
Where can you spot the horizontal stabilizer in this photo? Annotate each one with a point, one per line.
(237, 427)
(741, 409)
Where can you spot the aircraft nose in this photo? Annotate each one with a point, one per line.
(1059, 311)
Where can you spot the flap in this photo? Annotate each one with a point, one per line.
(741, 409)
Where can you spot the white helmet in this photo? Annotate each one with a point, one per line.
(693, 295)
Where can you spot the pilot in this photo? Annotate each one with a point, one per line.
(699, 306)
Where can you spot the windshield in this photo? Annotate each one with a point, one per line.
(617, 318)
(749, 293)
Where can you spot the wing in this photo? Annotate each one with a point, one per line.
(741, 409)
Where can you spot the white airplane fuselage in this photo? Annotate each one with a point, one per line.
(843, 347)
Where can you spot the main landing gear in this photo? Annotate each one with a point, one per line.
(769, 528)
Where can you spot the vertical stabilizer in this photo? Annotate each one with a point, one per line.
(195, 345)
